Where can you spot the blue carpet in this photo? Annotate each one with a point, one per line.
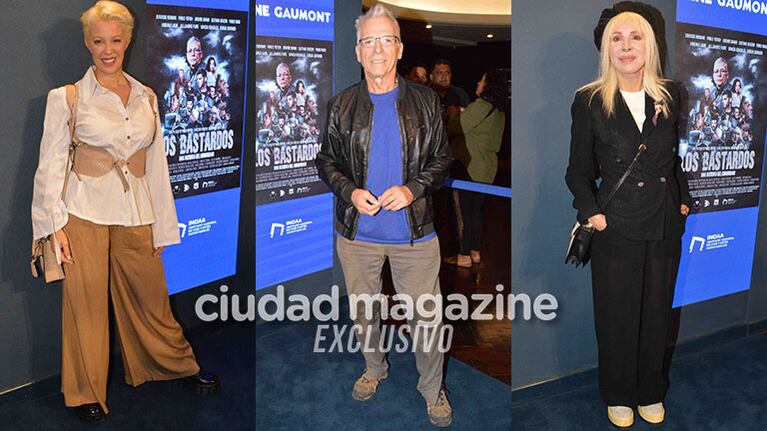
(165, 406)
(297, 389)
(720, 389)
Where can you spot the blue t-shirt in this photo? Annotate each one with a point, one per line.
(384, 171)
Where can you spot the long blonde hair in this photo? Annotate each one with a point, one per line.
(606, 84)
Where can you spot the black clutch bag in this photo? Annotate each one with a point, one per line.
(579, 248)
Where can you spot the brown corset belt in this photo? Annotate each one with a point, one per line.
(97, 162)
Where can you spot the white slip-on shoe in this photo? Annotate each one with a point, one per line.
(620, 416)
(654, 413)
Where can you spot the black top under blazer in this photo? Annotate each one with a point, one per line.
(647, 206)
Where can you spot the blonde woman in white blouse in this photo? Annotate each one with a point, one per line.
(111, 224)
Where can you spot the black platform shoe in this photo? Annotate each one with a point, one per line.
(91, 413)
(203, 383)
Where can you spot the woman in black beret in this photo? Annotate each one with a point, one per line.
(637, 244)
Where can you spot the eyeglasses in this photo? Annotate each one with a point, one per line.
(386, 41)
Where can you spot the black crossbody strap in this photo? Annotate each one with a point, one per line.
(642, 148)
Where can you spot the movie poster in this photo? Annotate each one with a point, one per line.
(294, 83)
(196, 57)
(723, 147)
(720, 58)
(197, 68)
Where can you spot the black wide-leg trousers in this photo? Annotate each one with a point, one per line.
(633, 290)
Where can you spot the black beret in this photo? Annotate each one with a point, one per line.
(648, 12)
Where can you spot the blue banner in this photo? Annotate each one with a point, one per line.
(241, 5)
(293, 239)
(295, 19)
(720, 58)
(717, 255)
(208, 251)
(749, 16)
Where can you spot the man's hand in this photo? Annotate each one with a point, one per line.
(365, 202)
(684, 210)
(395, 198)
(158, 251)
(599, 222)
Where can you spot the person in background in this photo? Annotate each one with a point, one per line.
(442, 82)
(475, 136)
(418, 73)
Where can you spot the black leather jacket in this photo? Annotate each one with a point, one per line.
(343, 160)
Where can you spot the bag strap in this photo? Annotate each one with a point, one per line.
(73, 100)
(642, 148)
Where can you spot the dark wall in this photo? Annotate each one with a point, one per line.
(43, 48)
(553, 54)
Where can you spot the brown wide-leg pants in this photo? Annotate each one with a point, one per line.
(116, 260)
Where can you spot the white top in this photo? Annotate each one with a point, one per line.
(636, 101)
(103, 121)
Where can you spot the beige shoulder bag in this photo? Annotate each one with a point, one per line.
(45, 251)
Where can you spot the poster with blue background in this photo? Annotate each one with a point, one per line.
(196, 51)
(720, 59)
(294, 81)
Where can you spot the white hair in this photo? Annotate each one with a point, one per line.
(376, 11)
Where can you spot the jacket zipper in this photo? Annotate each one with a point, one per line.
(405, 164)
(364, 172)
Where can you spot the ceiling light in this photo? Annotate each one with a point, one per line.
(490, 35)
(428, 26)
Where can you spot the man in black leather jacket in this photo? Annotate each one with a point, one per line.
(342, 162)
(384, 152)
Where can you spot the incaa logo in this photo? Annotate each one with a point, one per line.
(277, 227)
(290, 227)
(695, 240)
(710, 242)
(197, 221)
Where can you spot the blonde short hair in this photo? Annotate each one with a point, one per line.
(107, 10)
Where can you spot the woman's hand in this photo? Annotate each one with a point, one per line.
(454, 110)
(63, 243)
(684, 210)
(158, 251)
(598, 221)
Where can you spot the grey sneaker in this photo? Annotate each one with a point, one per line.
(440, 413)
(365, 387)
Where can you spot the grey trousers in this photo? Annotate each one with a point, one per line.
(415, 272)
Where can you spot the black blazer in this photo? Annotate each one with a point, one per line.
(646, 207)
